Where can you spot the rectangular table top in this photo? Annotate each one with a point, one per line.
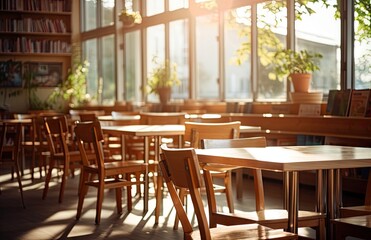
(158, 130)
(290, 158)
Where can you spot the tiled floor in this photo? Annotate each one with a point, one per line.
(47, 219)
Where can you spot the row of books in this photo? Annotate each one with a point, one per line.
(26, 45)
(353, 103)
(36, 5)
(30, 25)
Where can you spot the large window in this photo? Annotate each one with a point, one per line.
(237, 77)
(325, 41)
(222, 51)
(133, 74)
(362, 45)
(179, 49)
(207, 57)
(98, 48)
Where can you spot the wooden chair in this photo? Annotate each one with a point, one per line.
(57, 132)
(354, 221)
(10, 141)
(360, 210)
(160, 118)
(195, 132)
(180, 169)
(257, 173)
(36, 143)
(274, 218)
(100, 174)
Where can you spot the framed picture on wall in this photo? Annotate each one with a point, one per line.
(44, 74)
(11, 74)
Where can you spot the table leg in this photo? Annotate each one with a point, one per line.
(146, 183)
(320, 205)
(338, 193)
(330, 202)
(286, 187)
(293, 202)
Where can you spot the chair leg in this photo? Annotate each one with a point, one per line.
(63, 183)
(119, 199)
(129, 200)
(182, 196)
(99, 200)
(82, 192)
(239, 183)
(48, 177)
(19, 182)
(228, 191)
(158, 197)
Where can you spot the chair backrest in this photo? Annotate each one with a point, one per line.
(10, 141)
(90, 134)
(257, 173)
(154, 118)
(56, 128)
(194, 131)
(180, 169)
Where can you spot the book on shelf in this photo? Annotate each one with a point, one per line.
(359, 103)
(341, 103)
(330, 100)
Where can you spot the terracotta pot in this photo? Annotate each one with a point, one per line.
(301, 81)
(164, 94)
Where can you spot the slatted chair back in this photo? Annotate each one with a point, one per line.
(10, 141)
(57, 133)
(180, 169)
(90, 133)
(257, 173)
(157, 118)
(194, 131)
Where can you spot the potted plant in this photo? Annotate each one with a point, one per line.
(162, 78)
(298, 66)
(73, 88)
(129, 18)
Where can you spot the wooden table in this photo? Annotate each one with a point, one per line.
(149, 131)
(291, 160)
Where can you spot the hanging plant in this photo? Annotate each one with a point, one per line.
(129, 18)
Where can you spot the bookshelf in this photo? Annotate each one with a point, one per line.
(36, 32)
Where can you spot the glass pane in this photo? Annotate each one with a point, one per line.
(362, 46)
(272, 31)
(323, 40)
(133, 72)
(108, 64)
(107, 12)
(207, 56)
(154, 7)
(177, 4)
(155, 49)
(91, 55)
(179, 50)
(237, 73)
(90, 15)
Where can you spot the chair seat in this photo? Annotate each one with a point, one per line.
(111, 166)
(250, 231)
(274, 218)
